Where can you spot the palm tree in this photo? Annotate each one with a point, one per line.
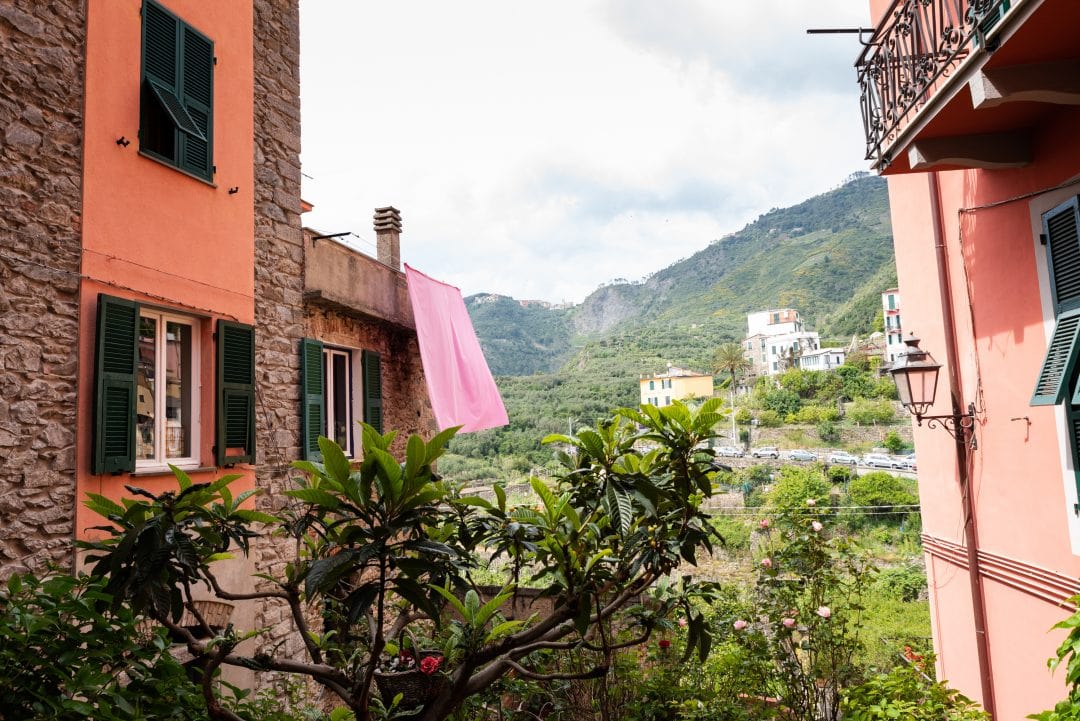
(729, 359)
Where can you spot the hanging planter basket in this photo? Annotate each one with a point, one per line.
(416, 687)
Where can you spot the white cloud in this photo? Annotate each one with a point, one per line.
(539, 149)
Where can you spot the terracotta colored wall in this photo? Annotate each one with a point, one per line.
(1021, 476)
(151, 232)
(41, 121)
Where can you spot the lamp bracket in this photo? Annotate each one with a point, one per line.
(955, 423)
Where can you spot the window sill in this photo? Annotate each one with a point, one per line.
(166, 471)
(169, 164)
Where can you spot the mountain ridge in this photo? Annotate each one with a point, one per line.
(824, 256)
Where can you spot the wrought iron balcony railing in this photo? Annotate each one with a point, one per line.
(918, 44)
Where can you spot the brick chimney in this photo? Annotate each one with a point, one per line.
(388, 236)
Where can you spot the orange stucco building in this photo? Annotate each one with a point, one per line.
(972, 114)
(154, 232)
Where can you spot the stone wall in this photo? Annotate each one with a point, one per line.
(279, 280)
(405, 401)
(41, 89)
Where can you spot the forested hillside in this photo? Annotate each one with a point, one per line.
(830, 257)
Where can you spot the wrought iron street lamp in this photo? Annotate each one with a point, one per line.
(915, 373)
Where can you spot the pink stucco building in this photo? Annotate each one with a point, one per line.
(972, 110)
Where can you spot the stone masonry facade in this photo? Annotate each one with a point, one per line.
(41, 102)
(405, 401)
(279, 281)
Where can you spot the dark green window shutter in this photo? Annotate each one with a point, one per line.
(372, 366)
(312, 398)
(1060, 362)
(197, 93)
(117, 359)
(235, 392)
(1063, 255)
(178, 82)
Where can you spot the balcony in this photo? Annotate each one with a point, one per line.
(952, 84)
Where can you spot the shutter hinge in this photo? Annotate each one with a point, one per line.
(1042, 238)
(215, 60)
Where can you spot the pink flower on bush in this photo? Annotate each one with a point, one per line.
(811, 502)
(763, 524)
(430, 664)
(664, 643)
(740, 625)
(766, 563)
(824, 611)
(788, 623)
(682, 622)
(816, 525)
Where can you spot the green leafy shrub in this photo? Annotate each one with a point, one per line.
(795, 485)
(804, 621)
(66, 655)
(769, 419)
(882, 491)
(780, 400)
(908, 693)
(868, 412)
(894, 442)
(828, 432)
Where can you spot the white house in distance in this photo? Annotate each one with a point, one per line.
(894, 334)
(660, 389)
(775, 339)
(822, 359)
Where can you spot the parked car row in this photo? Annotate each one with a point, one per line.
(870, 460)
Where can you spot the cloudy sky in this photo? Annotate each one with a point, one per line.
(538, 149)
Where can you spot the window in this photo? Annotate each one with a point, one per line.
(177, 92)
(166, 422)
(1057, 382)
(146, 389)
(667, 400)
(337, 370)
(652, 386)
(333, 397)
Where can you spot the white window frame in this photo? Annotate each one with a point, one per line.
(354, 406)
(160, 462)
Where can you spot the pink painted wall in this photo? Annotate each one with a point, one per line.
(1018, 477)
(152, 233)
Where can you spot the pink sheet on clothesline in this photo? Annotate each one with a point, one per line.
(460, 386)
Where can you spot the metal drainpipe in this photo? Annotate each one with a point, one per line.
(971, 533)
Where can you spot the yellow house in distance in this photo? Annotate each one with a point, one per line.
(660, 389)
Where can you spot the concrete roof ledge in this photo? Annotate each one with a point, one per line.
(353, 283)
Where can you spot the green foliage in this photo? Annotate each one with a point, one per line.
(883, 491)
(866, 412)
(1068, 653)
(779, 400)
(612, 527)
(735, 532)
(796, 486)
(805, 617)
(894, 442)
(64, 655)
(907, 692)
(841, 475)
(769, 419)
(828, 432)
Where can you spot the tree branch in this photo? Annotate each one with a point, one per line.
(592, 673)
(228, 596)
